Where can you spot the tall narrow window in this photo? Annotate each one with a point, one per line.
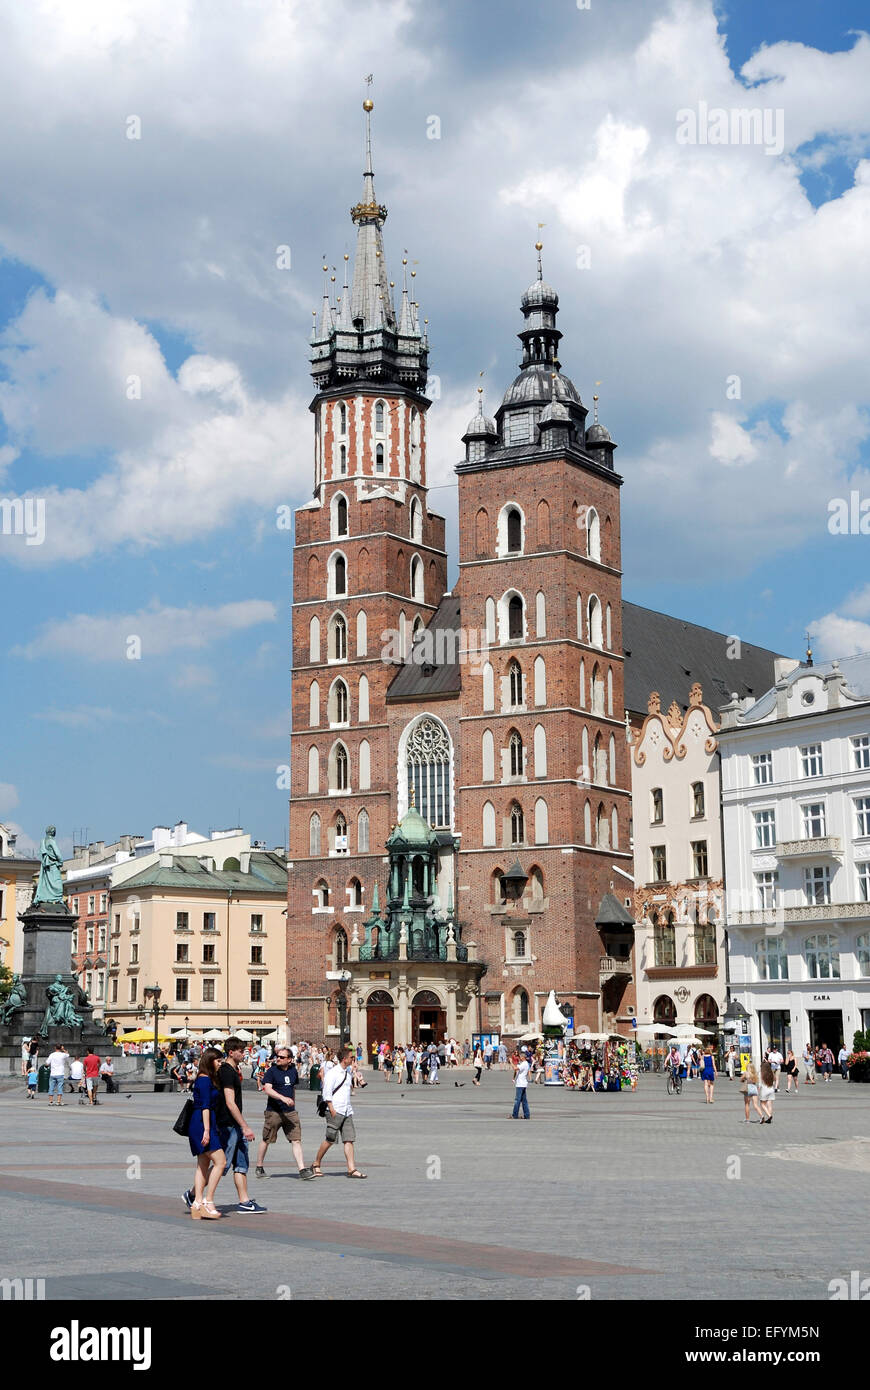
(427, 757)
(379, 458)
(341, 768)
(340, 835)
(339, 711)
(341, 517)
(362, 832)
(514, 532)
(515, 684)
(342, 459)
(515, 618)
(339, 638)
(516, 755)
(314, 834)
(518, 829)
(698, 800)
(379, 417)
(342, 418)
(340, 575)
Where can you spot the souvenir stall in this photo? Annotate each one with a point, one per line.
(600, 1062)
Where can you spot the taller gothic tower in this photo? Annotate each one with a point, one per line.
(369, 569)
(544, 803)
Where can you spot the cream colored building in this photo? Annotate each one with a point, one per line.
(17, 882)
(679, 933)
(210, 931)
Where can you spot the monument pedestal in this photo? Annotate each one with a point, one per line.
(47, 931)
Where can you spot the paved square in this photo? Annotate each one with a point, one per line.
(624, 1195)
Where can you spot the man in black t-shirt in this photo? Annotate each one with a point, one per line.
(234, 1129)
(279, 1084)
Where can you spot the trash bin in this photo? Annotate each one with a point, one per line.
(42, 1079)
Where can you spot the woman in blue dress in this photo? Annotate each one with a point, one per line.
(206, 1140)
(708, 1075)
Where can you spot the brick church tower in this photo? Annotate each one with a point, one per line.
(544, 802)
(369, 569)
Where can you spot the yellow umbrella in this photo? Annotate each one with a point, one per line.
(144, 1035)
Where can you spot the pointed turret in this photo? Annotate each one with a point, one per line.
(362, 338)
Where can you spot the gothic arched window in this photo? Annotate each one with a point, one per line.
(515, 617)
(379, 418)
(514, 532)
(515, 683)
(516, 754)
(339, 639)
(427, 758)
(341, 517)
(379, 458)
(518, 825)
(341, 769)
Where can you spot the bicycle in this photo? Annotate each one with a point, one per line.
(675, 1083)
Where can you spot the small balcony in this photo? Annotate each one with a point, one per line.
(613, 967)
(823, 847)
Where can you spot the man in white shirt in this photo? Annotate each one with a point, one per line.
(77, 1077)
(57, 1061)
(522, 1085)
(107, 1072)
(775, 1059)
(339, 1118)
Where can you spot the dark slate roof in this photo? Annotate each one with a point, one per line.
(268, 874)
(661, 653)
(611, 913)
(414, 680)
(668, 655)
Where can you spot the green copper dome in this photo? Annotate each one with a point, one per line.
(412, 830)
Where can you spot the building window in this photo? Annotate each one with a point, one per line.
(771, 958)
(379, 417)
(362, 832)
(104, 902)
(698, 809)
(521, 1008)
(861, 750)
(75, 906)
(115, 991)
(705, 943)
(133, 989)
(116, 955)
(762, 768)
(342, 459)
(340, 707)
(515, 618)
(341, 768)
(256, 921)
(823, 957)
(208, 954)
(341, 517)
(811, 760)
(514, 532)
(101, 938)
(379, 458)
(181, 990)
(342, 418)
(91, 904)
(356, 893)
(864, 883)
(862, 812)
(814, 820)
(658, 806)
(341, 839)
(817, 885)
(209, 921)
(314, 835)
(862, 954)
(339, 948)
(182, 921)
(427, 757)
(659, 864)
(766, 887)
(515, 684)
(134, 952)
(256, 991)
(90, 940)
(517, 825)
(699, 859)
(208, 991)
(519, 945)
(182, 953)
(516, 755)
(256, 955)
(664, 944)
(338, 634)
(321, 894)
(765, 829)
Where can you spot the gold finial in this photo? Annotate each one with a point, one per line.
(405, 262)
(392, 284)
(368, 104)
(595, 409)
(346, 256)
(413, 796)
(325, 268)
(539, 246)
(332, 278)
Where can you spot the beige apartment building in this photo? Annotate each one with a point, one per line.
(210, 933)
(679, 933)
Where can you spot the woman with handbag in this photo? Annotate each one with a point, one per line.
(749, 1091)
(206, 1140)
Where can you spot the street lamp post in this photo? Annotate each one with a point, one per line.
(159, 1011)
(344, 977)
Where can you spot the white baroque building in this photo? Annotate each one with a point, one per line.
(796, 821)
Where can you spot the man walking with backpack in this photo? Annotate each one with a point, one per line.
(339, 1114)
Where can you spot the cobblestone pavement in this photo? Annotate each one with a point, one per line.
(627, 1195)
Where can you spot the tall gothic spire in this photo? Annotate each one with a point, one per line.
(364, 339)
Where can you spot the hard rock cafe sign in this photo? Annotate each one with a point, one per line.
(681, 994)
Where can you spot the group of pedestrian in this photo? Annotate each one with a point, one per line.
(759, 1091)
(83, 1073)
(219, 1135)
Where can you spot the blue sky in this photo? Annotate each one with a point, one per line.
(154, 258)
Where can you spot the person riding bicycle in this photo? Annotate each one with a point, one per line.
(674, 1062)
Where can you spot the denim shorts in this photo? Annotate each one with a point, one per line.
(235, 1146)
(55, 1085)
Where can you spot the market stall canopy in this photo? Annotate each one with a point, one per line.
(688, 1030)
(243, 1034)
(144, 1035)
(652, 1030)
(215, 1035)
(531, 1037)
(594, 1037)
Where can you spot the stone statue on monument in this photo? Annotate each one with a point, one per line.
(16, 997)
(49, 885)
(60, 1010)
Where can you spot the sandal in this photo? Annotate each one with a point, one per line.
(357, 1174)
(317, 1170)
